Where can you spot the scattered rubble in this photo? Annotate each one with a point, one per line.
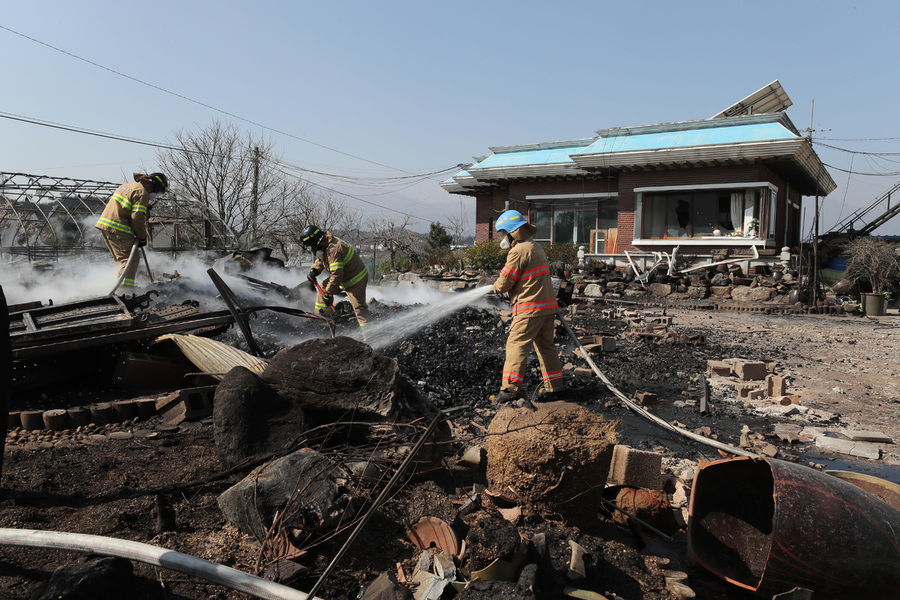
(267, 471)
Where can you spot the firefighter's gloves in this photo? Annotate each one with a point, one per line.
(141, 243)
(311, 277)
(313, 273)
(328, 299)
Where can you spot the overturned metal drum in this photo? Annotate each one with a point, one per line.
(770, 526)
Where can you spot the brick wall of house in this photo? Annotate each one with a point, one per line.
(489, 206)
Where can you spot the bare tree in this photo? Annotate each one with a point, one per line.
(349, 227)
(231, 176)
(873, 260)
(399, 242)
(458, 226)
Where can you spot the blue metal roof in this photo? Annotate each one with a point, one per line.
(707, 136)
(545, 156)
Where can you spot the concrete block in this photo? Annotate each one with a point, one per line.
(146, 407)
(102, 413)
(849, 447)
(79, 416)
(32, 420)
(757, 394)
(783, 400)
(146, 371)
(56, 419)
(637, 468)
(744, 390)
(189, 404)
(858, 435)
(776, 385)
(719, 368)
(606, 343)
(125, 409)
(646, 398)
(748, 370)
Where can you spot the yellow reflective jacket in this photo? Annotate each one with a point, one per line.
(526, 277)
(340, 259)
(127, 209)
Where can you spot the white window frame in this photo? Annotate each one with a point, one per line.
(639, 202)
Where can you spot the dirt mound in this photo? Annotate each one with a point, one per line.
(557, 454)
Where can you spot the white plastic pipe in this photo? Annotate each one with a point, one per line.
(643, 411)
(131, 258)
(152, 555)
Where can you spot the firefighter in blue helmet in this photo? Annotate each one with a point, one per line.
(526, 278)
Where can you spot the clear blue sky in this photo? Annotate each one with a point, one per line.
(423, 86)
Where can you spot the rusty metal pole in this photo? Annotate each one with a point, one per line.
(240, 317)
(147, 264)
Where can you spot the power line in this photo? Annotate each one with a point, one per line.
(887, 174)
(83, 131)
(856, 151)
(887, 139)
(199, 103)
(121, 138)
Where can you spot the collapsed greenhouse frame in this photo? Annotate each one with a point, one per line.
(44, 217)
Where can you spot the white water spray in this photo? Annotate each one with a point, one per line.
(384, 333)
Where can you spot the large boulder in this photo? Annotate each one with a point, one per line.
(92, 577)
(336, 385)
(304, 489)
(340, 376)
(660, 289)
(752, 294)
(593, 290)
(251, 420)
(556, 455)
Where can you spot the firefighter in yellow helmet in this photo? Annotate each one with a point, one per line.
(124, 220)
(346, 270)
(526, 278)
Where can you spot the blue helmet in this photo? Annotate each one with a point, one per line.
(510, 221)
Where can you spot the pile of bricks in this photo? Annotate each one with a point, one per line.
(756, 380)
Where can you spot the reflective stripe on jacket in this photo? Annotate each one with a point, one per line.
(340, 259)
(126, 211)
(526, 277)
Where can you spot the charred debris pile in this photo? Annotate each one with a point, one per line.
(452, 495)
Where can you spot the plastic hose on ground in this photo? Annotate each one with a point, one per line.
(644, 412)
(131, 257)
(152, 555)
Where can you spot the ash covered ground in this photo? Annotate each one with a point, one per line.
(108, 486)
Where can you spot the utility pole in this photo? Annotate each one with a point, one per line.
(254, 198)
(814, 275)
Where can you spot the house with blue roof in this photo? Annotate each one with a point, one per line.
(735, 181)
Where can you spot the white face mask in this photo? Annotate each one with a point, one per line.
(504, 243)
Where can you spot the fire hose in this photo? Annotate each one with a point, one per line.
(133, 256)
(319, 287)
(644, 412)
(153, 555)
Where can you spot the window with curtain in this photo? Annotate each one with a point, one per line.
(700, 213)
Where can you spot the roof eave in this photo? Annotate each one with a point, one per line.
(525, 171)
